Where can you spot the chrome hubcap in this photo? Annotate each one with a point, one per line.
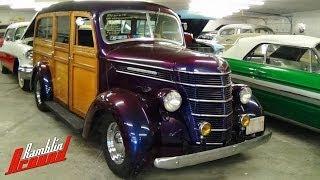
(21, 81)
(38, 92)
(115, 144)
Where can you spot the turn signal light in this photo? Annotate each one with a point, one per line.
(245, 120)
(205, 128)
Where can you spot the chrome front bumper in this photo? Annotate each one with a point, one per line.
(25, 72)
(205, 156)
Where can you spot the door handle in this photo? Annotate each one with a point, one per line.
(261, 73)
(252, 71)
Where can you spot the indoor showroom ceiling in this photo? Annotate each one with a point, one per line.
(206, 8)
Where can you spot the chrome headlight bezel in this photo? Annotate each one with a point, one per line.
(29, 54)
(245, 95)
(172, 101)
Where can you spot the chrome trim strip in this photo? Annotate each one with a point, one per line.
(203, 73)
(142, 70)
(138, 64)
(210, 115)
(186, 84)
(291, 92)
(201, 85)
(292, 122)
(218, 130)
(128, 73)
(210, 155)
(212, 101)
(211, 143)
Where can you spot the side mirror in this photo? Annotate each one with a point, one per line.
(188, 37)
(185, 26)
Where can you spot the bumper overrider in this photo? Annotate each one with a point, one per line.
(25, 72)
(205, 156)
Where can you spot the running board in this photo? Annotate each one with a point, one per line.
(64, 114)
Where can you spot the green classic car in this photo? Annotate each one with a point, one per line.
(284, 73)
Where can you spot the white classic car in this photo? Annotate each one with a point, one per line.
(209, 39)
(229, 34)
(16, 53)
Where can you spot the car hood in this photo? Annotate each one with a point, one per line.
(168, 56)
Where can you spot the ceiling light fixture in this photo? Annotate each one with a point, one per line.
(221, 9)
(28, 4)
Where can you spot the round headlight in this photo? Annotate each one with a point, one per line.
(245, 95)
(29, 54)
(172, 101)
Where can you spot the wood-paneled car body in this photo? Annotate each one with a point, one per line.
(122, 69)
(283, 71)
(16, 54)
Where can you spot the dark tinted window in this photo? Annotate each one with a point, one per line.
(63, 29)
(84, 33)
(44, 28)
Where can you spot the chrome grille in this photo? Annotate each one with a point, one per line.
(205, 79)
(210, 103)
(211, 108)
(209, 93)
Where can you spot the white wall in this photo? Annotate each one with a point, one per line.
(311, 19)
(10, 16)
(280, 25)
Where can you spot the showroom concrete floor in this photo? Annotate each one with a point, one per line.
(292, 153)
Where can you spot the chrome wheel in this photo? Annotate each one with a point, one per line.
(38, 93)
(21, 80)
(115, 144)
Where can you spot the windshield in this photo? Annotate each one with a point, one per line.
(122, 26)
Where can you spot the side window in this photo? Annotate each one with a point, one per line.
(44, 28)
(289, 57)
(264, 31)
(9, 35)
(63, 29)
(227, 32)
(246, 31)
(19, 32)
(315, 63)
(84, 35)
(258, 54)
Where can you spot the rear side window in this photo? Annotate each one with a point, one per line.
(246, 31)
(227, 32)
(282, 56)
(44, 28)
(264, 31)
(63, 29)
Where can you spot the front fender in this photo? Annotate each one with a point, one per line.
(42, 71)
(131, 113)
(253, 107)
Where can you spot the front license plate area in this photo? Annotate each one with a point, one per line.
(256, 125)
